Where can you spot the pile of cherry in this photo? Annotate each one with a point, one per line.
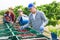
(25, 34)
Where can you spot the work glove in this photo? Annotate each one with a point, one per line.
(41, 29)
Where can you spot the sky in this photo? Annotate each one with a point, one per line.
(4, 4)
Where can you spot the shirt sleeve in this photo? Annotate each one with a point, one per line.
(5, 14)
(44, 18)
(26, 25)
(30, 22)
(18, 19)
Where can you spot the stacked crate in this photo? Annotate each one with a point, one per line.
(9, 32)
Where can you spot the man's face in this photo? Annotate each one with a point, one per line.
(33, 10)
(20, 13)
(7, 18)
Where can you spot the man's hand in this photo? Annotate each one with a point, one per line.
(16, 21)
(12, 22)
(41, 29)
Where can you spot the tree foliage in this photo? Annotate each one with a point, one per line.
(52, 11)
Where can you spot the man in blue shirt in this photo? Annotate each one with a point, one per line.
(37, 19)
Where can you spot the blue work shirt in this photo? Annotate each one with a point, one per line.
(40, 20)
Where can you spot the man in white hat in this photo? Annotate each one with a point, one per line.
(22, 20)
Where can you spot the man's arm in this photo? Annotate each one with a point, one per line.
(26, 25)
(44, 18)
(17, 19)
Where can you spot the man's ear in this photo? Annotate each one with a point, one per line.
(29, 10)
(34, 7)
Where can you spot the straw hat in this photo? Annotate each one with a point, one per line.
(11, 8)
(20, 10)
